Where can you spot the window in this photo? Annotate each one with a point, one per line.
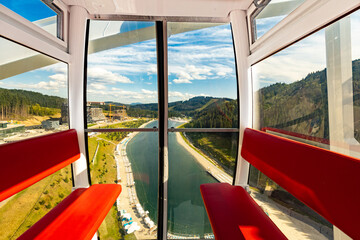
(203, 96)
(265, 18)
(308, 92)
(33, 91)
(47, 15)
(121, 74)
(121, 109)
(122, 79)
(33, 102)
(202, 77)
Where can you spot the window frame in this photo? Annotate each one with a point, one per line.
(293, 27)
(162, 82)
(21, 30)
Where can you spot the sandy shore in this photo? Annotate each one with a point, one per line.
(208, 165)
(128, 197)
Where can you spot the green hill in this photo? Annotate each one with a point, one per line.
(302, 106)
(187, 108)
(17, 104)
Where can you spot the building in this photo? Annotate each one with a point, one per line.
(95, 103)
(119, 114)
(50, 124)
(95, 114)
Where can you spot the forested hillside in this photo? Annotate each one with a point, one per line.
(302, 106)
(188, 108)
(18, 104)
(219, 114)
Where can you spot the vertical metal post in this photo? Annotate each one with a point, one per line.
(77, 36)
(242, 51)
(161, 45)
(340, 92)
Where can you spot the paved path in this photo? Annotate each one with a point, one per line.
(128, 197)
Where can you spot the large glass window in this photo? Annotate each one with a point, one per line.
(42, 13)
(33, 94)
(121, 74)
(122, 96)
(33, 102)
(355, 57)
(121, 105)
(308, 92)
(202, 95)
(202, 76)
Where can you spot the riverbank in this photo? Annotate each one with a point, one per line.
(207, 164)
(128, 198)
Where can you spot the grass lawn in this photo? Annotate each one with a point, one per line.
(222, 147)
(29, 205)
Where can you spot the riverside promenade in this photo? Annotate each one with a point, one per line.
(128, 198)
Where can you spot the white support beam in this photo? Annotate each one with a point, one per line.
(239, 28)
(307, 18)
(340, 92)
(77, 38)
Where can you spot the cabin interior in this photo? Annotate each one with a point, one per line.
(160, 94)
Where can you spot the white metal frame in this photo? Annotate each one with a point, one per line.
(77, 37)
(306, 19)
(242, 51)
(21, 30)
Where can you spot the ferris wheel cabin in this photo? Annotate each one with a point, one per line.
(203, 119)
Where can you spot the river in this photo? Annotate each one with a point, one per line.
(186, 212)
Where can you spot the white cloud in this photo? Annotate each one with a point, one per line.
(182, 81)
(104, 76)
(190, 72)
(57, 68)
(97, 86)
(60, 77)
(293, 63)
(149, 92)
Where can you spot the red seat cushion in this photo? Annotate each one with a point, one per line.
(234, 214)
(326, 181)
(25, 162)
(78, 216)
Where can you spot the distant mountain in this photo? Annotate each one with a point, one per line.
(188, 108)
(135, 103)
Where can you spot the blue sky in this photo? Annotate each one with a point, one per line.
(201, 63)
(32, 10)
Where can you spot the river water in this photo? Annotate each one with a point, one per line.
(186, 212)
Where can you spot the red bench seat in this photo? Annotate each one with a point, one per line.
(78, 216)
(326, 181)
(234, 214)
(26, 162)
